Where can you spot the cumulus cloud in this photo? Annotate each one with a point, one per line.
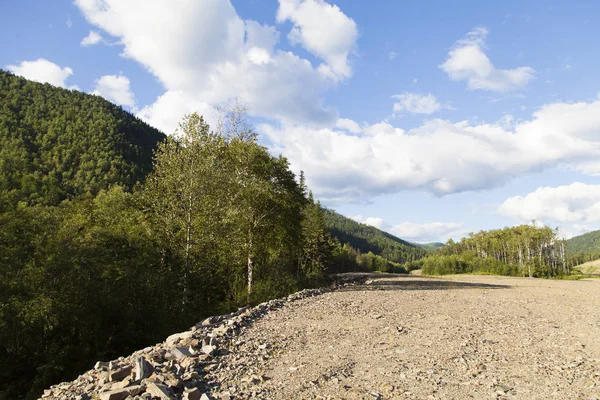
(348, 125)
(116, 89)
(44, 71)
(202, 51)
(416, 103)
(467, 61)
(439, 156)
(428, 232)
(373, 221)
(577, 202)
(91, 39)
(322, 29)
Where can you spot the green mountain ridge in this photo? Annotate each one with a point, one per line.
(584, 247)
(367, 238)
(431, 246)
(57, 144)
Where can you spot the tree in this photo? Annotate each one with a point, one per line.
(184, 192)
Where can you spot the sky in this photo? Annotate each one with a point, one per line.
(426, 120)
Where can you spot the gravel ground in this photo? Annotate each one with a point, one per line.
(461, 337)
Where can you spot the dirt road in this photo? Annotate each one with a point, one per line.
(422, 338)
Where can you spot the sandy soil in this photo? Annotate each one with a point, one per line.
(462, 337)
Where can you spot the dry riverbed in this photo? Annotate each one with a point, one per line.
(414, 337)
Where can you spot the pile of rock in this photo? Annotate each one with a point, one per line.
(173, 369)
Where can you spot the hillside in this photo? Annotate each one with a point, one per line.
(58, 143)
(588, 243)
(431, 246)
(368, 238)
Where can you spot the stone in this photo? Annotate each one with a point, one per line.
(160, 391)
(179, 353)
(121, 394)
(178, 337)
(192, 394)
(208, 349)
(143, 369)
(204, 397)
(101, 366)
(119, 374)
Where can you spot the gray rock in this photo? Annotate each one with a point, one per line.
(160, 391)
(143, 369)
(179, 353)
(119, 374)
(101, 366)
(121, 394)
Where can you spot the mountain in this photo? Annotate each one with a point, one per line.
(431, 246)
(57, 143)
(368, 238)
(584, 247)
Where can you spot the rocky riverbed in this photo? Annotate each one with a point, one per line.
(392, 337)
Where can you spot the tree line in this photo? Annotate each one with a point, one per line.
(524, 250)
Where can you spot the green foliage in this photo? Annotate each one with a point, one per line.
(583, 248)
(370, 239)
(57, 144)
(525, 250)
(432, 246)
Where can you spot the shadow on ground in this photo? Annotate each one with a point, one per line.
(410, 283)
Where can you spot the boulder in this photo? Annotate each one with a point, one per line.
(160, 391)
(118, 374)
(178, 337)
(143, 369)
(179, 353)
(121, 394)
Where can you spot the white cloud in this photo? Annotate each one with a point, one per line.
(577, 202)
(42, 70)
(416, 103)
(91, 39)
(116, 89)
(204, 52)
(348, 125)
(168, 110)
(373, 221)
(468, 61)
(322, 29)
(69, 22)
(439, 157)
(428, 232)
(392, 55)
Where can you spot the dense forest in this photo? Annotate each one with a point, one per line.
(431, 246)
(57, 144)
(106, 248)
(365, 238)
(525, 250)
(583, 248)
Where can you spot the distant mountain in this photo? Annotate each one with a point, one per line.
(368, 238)
(431, 246)
(57, 143)
(584, 247)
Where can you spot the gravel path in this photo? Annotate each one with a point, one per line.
(422, 338)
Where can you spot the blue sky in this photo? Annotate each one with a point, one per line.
(425, 120)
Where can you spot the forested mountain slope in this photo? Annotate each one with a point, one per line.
(58, 143)
(368, 238)
(584, 247)
(432, 245)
